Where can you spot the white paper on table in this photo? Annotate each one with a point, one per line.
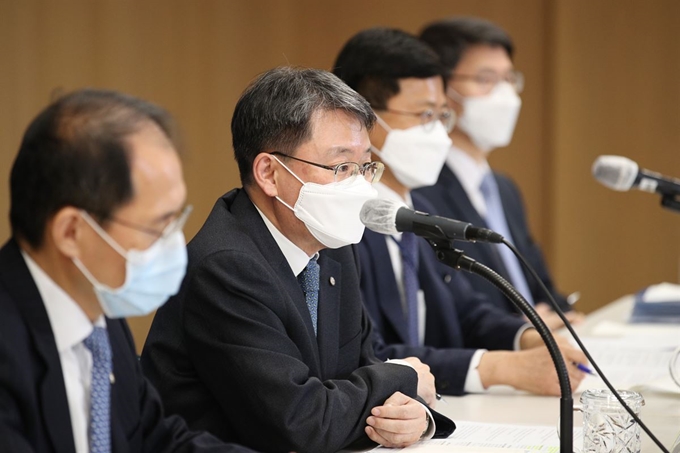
(655, 334)
(490, 437)
(629, 362)
(662, 292)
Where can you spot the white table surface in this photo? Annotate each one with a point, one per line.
(661, 412)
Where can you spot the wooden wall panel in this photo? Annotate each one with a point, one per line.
(601, 78)
(616, 91)
(195, 58)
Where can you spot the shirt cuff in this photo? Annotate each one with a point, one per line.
(400, 362)
(518, 335)
(431, 427)
(473, 383)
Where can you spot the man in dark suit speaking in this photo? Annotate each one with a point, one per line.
(96, 197)
(267, 342)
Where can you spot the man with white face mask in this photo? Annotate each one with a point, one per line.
(419, 306)
(268, 342)
(483, 88)
(97, 198)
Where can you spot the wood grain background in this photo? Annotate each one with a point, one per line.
(602, 78)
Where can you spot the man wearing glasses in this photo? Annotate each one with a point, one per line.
(420, 307)
(96, 212)
(268, 343)
(483, 88)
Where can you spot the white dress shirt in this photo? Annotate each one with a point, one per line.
(470, 174)
(297, 260)
(71, 327)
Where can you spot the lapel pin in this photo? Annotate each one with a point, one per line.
(112, 378)
(332, 281)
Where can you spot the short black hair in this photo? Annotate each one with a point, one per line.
(76, 153)
(274, 113)
(450, 38)
(373, 61)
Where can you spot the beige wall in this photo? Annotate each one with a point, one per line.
(602, 77)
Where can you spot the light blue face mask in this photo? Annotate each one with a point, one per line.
(151, 275)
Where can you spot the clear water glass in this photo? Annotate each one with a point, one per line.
(607, 426)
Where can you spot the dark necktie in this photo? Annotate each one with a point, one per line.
(100, 391)
(409, 259)
(309, 282)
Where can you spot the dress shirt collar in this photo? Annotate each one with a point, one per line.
(69, 322)
(469, 172)
(296, 257)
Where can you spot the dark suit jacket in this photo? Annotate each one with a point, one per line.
(235, 353)
(458, 320)
(34, 412)
(450, 200)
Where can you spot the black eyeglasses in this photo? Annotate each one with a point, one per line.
(371, 171)
(180, 218)
(488, 80)
(427, 118)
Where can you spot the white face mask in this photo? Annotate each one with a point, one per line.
(331, 211)
(151, 275)
(489, 121)
(415, 155)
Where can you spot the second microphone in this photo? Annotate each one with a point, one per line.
(391, 217)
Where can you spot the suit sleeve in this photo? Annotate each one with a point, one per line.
(449, 365)
(15, 401)
(531, 250)
(236, 329)
(484, 326)
(170, 434)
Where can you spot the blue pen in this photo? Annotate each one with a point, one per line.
(585, 369)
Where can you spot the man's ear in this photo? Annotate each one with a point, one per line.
(265, 169)
(66, 229)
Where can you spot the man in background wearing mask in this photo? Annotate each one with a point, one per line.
(97, 198)
(419, 306)
(267, 342)
(483, 88)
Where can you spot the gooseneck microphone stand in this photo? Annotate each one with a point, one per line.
(455, 258)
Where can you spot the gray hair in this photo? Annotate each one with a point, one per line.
(274, 113)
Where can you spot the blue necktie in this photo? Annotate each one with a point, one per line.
(409, 258)
(100, 391)
(495, 219)
(309, 282)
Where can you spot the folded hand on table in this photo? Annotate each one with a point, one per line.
(399, 422)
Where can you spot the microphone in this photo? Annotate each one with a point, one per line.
(622, 174)
(391, 217)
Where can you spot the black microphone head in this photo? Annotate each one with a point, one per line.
(615, 172)
(380, 215)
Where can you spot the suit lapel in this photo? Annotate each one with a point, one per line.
(509, 209)
(244, 209)
(456, 196)
(389, 298)
(329, 314)
(52, 391)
